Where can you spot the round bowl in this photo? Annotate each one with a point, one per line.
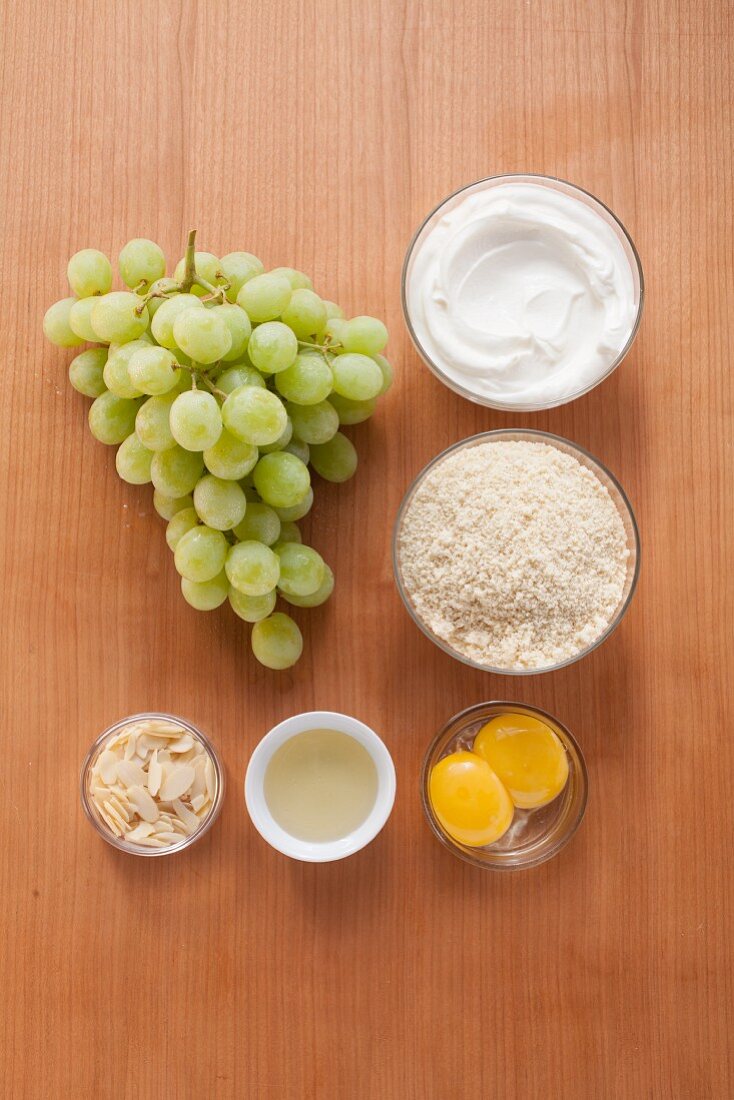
(555, 184)
(616, 493)
(534, 836)
(268, 827)
(90, 809)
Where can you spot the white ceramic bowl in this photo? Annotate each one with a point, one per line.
(268, 827)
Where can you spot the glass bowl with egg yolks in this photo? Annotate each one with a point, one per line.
(530, 834)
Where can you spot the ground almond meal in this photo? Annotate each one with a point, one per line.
(514, 554)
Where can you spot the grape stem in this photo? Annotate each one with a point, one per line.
(189, 264)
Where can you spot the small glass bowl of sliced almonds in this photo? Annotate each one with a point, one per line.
(152, 784)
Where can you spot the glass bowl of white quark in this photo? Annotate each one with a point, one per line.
(438, 540)
(522, 292)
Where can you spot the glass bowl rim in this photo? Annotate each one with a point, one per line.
(492, 435)
(527, 406)
(119, 842)
(463, 716)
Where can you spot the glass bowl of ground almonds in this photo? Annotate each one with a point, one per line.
(516, 551)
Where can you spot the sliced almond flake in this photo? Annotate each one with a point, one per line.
(199, 801)
(164, 756)
(108, 766)
(178, 825)
(152, 842)
(199, 785)
(99, 793)
(171, 836)
(141, 830)
(130, 747)
(130, 774)
(177, 782)
(143, 803)
(209, 776)
(155, 774)
(119, 821)
(185, 815)
(122, 808)
(109, 821)
(182, 744)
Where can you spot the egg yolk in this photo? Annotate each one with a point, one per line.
(527, 756)
(469, 800)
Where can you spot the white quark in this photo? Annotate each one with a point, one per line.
(521, 294)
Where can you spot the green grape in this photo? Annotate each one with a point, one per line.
(237, 268)
(252, 608)
(316, 598)
(290, 532)
(365, 335)
(85, 372)
(301, 569)
(117, 369)
(115, 317)
(332, 309)
(202, 335)
(334, 328)
(205, 264)
(314, 423)
(153, 425)
(220, 503)
(260, 524)
(230, 458)
(307, 382)
(297, 279)
(206, 595)
(281, 442)
(272, 347)
(133, 461)
(252, 568)
(234, 377)
(196, 420)
(160, 286)
(175, 472)
(300, 449)
(281, 479)
(352, 412)
(357, 377)
(305, 314)
(387, 372)
(264, 297)
(89, 272)
(297, 511)
(56, 327)
(200, 554)
(178, 525)
(80, 319)
(335, 460)
(253, 415)
(112, 418)
(168, 507)
(276, 641)
(154, 370)
(141, 261)
(239, 327)
(167, 313)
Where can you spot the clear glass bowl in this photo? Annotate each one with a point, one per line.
(555, 184)
(616, 493)
(534, 835)
(90, 808)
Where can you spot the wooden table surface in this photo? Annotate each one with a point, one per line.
(318, 133)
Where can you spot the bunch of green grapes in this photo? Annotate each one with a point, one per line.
(222, 384)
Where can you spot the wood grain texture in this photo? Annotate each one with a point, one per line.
(318, 133)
